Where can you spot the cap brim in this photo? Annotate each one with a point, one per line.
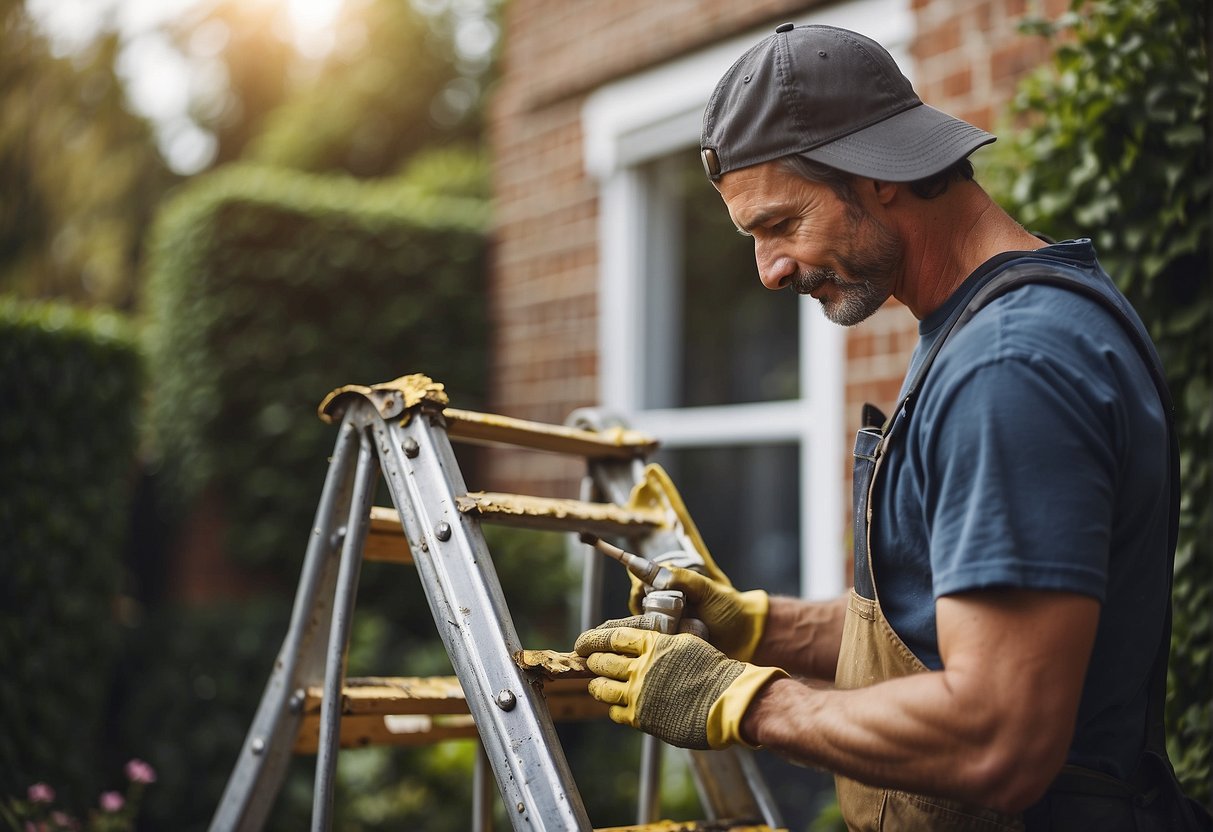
(914, 144)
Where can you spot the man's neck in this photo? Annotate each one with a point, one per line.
(947, 238)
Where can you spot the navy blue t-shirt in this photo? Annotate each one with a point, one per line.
(1036, 457)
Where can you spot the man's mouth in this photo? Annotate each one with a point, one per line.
(809, 283)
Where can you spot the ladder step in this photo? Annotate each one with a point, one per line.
(385, 540)
(553, 514)
(492, 429)
(415, 710)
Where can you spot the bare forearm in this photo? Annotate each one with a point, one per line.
(910, 734)
(991, 728)
(802, 637)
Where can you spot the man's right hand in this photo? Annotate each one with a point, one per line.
(735, 620)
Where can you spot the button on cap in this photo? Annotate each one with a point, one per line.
(784, 27)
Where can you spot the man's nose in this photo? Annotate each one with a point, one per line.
(774, 270)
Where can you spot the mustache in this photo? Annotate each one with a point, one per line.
(811, 280)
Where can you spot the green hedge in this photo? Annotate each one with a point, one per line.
(1118, 150)
(269, 288)
(69, 403)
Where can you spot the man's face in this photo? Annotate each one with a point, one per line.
(808, 238)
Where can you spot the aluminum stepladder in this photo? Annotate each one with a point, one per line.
(501, 694)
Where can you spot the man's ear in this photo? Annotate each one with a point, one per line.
(884, 191)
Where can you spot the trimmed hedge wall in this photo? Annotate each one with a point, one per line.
(267, 289)
(69, 403)
(1118, 150)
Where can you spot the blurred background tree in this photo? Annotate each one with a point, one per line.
(102, 112)
(108, 107)
(81, 173)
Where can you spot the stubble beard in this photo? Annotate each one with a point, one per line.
(872, 264)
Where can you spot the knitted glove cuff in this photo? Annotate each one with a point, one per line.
(724, 717)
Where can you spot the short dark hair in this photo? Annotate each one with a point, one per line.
(932, 186)
(842, 183)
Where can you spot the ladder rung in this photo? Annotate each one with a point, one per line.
(491, 429)
(385, 540)
(553, 514)
(393, 729)
(418, 710)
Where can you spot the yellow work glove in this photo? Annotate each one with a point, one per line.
(656, 492)
(735, 620)
(677, 688)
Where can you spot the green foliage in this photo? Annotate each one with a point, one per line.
(450, 170)
(370, 104)
(70, 385)
(1117, 149)
(190, 682)
(81, 174)
(270, 288)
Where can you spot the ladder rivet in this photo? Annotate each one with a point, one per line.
(257, 746)
(506, 701)
(411, 448)
(521, 808)
(443, 531)
(297, 700)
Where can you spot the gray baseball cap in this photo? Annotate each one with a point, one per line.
(836, 97)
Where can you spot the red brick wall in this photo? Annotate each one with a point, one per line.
(543, 283)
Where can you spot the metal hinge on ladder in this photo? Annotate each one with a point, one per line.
(501, 694)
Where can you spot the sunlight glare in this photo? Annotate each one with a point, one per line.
(310, 16)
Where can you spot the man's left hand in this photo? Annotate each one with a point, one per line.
(678, 688)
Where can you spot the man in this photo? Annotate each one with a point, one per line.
(1010, 609)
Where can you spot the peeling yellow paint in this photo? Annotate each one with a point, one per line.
(491, 429)
(552, 664)
(411, 389)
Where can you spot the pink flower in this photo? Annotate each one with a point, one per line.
(138, 771)
(41, 793)
(64, 821)
(112, 801)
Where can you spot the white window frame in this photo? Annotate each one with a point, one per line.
(658, 112)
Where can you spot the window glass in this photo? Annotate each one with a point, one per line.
(745, 501)
(717, 336)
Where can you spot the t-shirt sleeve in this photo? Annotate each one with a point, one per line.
(1019, 475)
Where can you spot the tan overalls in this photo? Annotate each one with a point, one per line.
(871, 652)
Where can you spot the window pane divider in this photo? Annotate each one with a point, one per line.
(754, 423)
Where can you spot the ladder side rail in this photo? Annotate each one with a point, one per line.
(729, 785)
(261, 767)
(345, 593)
(473, 620)
(482, 793)
(591, 568)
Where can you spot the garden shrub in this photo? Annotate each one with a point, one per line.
(269, 288)
(69, 404)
